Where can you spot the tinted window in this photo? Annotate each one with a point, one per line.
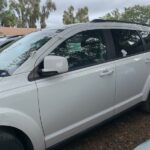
(84, 49)
(146, 37)
(127, 43)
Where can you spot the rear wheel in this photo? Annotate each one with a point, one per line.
(8, 141)
(146, 105)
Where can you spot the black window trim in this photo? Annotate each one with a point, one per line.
(110, 49)
(144, 43)
(142, 52)
(110, 54)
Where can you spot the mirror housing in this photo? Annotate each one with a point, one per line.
(54, 65)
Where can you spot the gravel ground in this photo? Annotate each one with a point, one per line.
(122, 133)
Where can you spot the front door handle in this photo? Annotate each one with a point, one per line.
(106, 73)
(147, 61)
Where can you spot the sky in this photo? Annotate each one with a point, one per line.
(97, 8)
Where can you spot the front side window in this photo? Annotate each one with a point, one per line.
(146, 37)
(83, 49)
(127, 43)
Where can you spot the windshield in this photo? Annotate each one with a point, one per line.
(17, 53)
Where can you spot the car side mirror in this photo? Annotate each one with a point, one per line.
(54, 65)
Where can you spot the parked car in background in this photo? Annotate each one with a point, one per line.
(56, 83)
(2, 39)
(9, 40)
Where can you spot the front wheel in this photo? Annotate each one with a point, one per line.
(9, 141)
(146, 105)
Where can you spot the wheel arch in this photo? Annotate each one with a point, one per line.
(24, 139)
(24, 125)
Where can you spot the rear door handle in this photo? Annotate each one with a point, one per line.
(106, 73)
(147, 61)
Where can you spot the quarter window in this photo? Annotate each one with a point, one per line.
(146, 37)
(83, 49)
(127, 43)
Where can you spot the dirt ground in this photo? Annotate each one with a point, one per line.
(123, 133)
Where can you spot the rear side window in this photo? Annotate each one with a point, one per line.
(146, 37)
(127, 43)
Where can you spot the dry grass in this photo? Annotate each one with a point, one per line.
(123, 133)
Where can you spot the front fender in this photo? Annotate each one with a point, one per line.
(26, 124)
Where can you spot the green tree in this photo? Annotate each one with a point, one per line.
(45, 12)
(140, 14)
(8, 19)
(3, 5)
(82, 15)
(70, 17)
(137, 13)
(30, 11)
(27, 12)
(114, 15)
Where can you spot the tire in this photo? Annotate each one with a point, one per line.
(9, 141)
(146, 105)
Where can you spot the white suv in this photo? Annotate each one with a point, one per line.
(56, 83)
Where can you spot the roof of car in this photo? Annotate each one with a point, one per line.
(107, 24)
(118, 21)
(123, 23)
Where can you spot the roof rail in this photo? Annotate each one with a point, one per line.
(118, 21)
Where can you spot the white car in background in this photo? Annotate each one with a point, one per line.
(9, 40)
(56, 83)
(2, 39)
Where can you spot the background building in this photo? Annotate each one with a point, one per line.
(11, 31)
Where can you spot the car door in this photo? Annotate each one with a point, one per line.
(130, 68)
(82, 97)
